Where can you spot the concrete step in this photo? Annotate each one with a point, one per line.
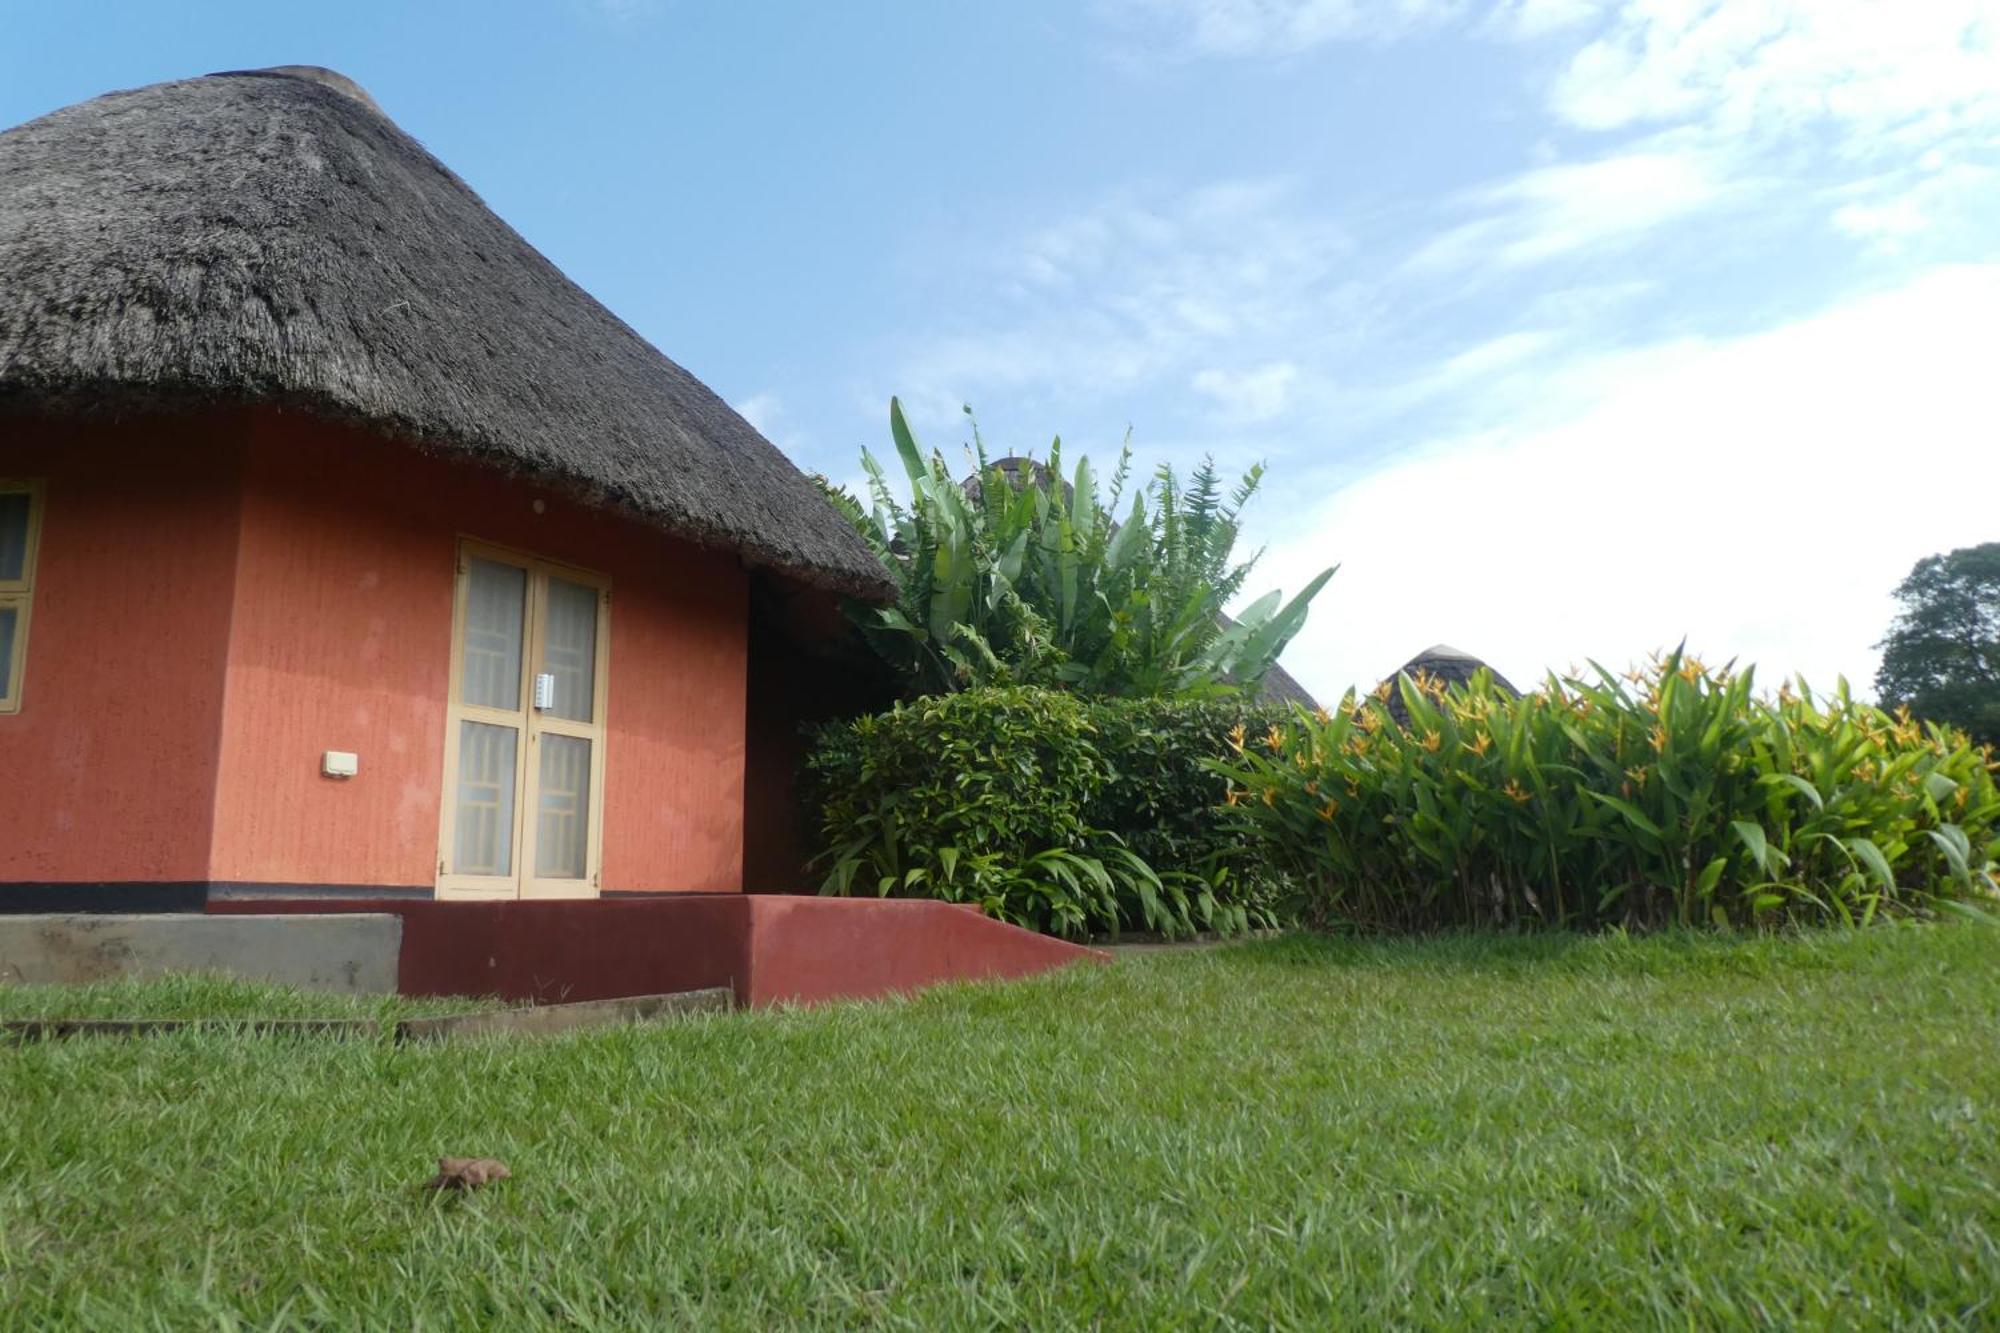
(350, 952)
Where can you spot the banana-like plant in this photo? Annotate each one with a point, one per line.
(1031, 577)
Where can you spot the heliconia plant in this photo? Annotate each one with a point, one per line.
(1670, 795)
(1036, 579)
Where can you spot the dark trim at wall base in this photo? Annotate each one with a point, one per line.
(19, 897)
(228, 890)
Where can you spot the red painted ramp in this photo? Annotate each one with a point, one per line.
(768, 949)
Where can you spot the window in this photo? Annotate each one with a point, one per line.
(20, 527)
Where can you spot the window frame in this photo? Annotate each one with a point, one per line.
(19, 594)
(531, 724)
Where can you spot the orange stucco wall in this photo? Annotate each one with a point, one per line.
(109, 766)
(221, 601)
(340, 640)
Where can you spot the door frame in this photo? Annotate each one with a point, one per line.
(532, 724)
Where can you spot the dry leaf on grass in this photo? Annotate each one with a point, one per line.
(467, 1173)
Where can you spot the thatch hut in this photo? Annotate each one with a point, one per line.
(345, 542)
(1444, 663)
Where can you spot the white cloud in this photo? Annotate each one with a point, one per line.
(1257, 394)
(1760, 496)
(1529, 19)
(1142, 290)
(1275, 27)
(1918, 67)
(766, 411)
(1552, 211)
(761, 410)
(1893, 210)
(1833, 96)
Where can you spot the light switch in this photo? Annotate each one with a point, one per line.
(339, 764)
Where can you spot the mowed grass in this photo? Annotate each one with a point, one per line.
(1302, 1132)
(196, 996)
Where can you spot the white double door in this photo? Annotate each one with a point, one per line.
(524, 745)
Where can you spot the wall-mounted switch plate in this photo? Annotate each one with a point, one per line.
(339, 764)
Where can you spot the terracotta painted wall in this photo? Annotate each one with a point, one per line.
(109, 767)
(340, 639)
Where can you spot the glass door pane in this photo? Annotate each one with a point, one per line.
(562, 830)
(570, 645)
(485, 815)
(14, 535)
(496, 598)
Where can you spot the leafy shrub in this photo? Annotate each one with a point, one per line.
(1165, 798)
(1050, 811)
(1036, 579)
(1669, 795)
(982, 797)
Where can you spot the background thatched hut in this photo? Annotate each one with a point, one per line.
(1440, 662)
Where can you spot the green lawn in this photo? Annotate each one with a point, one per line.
(1295, 1132)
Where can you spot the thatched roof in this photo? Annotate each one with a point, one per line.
(269, 236)
(1443, 662)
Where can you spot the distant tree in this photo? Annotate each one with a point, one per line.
(1942, 654)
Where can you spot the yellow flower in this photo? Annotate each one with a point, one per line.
(1233, 796)
(1637, 775)
(1274, 740)
(1270, 796)
(1236, 737)
(1326, 811)
(1321, 716)
(1431, 741)
(1312, 789)
(1517, 792)
(1659, 740)
(1481, 743)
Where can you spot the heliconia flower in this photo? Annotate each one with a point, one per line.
(1326, 811)
(1431, 741)
(1236, 735)
(1659, 740)
(1274, 740)
(1481, 743)
(1637, 775)
(1517, 792)
(1321, 716)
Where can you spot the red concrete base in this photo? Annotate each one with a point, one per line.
(768, 949)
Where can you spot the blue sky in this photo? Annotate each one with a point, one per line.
(1566, 327)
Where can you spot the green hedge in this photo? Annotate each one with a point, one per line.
(1672, 795)
(1069, 816)
(1166, 799)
